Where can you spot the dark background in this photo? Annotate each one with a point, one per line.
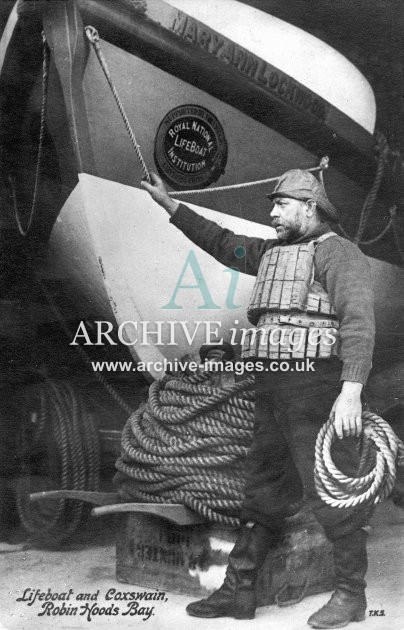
(370, 33)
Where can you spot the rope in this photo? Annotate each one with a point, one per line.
(59, 444)
(93, 37)
(390, 224)
(382, 451)
(372, 195)
(372, 241)
(188, 445)
(324, 163)
(45, 75)
(383, 149)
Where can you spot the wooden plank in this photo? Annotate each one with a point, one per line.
(173, 512)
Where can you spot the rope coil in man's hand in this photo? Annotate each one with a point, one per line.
(189, 443)
(381, 452)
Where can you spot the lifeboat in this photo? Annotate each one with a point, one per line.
(211, 95)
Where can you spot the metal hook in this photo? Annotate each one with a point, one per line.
(92, 34)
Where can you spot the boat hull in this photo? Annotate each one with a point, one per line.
(133, 280)
(130, 279)
(173, 90)
(269, 122)
(255, 151)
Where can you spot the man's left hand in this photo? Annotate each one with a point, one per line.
(347, 410)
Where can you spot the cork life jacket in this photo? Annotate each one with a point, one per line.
(286, 298)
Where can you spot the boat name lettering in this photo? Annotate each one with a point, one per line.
(261, 72)
(190, 147)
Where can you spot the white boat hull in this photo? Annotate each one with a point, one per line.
(125, 258)
(119, 249)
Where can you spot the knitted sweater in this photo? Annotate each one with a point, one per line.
(340, 267)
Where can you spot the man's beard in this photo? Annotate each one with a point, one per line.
(289, 232)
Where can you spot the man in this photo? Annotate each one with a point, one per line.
(308, 278)
(214, 359)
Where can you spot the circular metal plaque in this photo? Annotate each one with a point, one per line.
(190, 148)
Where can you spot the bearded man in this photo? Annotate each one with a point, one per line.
(308, 278)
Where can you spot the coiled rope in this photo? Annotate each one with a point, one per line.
(382, 451)
(59, 445)
(188, 445)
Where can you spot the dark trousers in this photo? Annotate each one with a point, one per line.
(290, 409)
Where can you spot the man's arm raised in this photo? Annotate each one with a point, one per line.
(236, 251)
(158, 192)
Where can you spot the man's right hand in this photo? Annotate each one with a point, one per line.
(158, 192)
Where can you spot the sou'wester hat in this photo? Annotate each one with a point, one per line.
(302, 185)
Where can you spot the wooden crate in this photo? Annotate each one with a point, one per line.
(192, 559)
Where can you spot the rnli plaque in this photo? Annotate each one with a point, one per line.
(190, 148)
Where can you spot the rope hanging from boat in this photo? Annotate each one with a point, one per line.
(188, 445)
(324, 163)
(94, 39)
(381, 452)
(390, 225)
(45, 76)
(370, 200)
(59, 445)
(383, 151)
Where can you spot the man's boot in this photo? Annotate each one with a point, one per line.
(348, 602)
(237, 596)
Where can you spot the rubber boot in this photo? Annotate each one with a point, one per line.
(348, 602)
(237, 596)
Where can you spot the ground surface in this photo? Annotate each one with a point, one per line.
(89, 566)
